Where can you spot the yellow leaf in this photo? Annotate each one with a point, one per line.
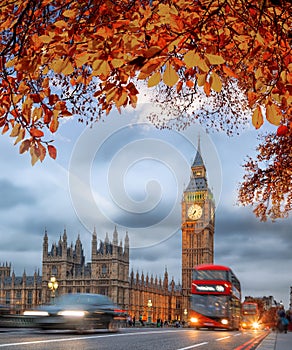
(10, 63)
(191, 59)
(170, 76)
(154, 79)
(257, 118)
(15, 130)
(81, 59)
(203, 65)
(214, 59)
(20, 136)
(58, 65)
(201, 79)
(60, 24)
(37, 113)
(215, 82)
(121, 99)
(117, 62)
(68, 68)
(45, 39)
(69, 13)
(273, 114)
(100, 67)
(34, 156)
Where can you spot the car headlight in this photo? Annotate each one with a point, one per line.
(224, 321)
(194, 320)
(35, 313)
(72, 313)
(255, 325)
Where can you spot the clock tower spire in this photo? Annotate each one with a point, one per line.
(197, 222)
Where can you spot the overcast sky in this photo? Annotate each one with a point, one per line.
(124, 172)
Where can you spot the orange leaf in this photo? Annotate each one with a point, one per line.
(257, 118)
(5, 129)
(252, 97)
(229, 72)
(190, 83)
(36, 132)
(52, 151)
(170, 76)
(54, 125)
(43, 152)
(207, 88)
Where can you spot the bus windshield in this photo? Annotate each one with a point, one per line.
(210, 305)
(249, 309)
(210, 275)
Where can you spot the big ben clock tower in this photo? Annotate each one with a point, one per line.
(197, 223)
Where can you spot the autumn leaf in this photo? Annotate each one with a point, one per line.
(154, 79)
(34, 155)
(282, 130)
(36, 132)
(42, 151)
(273, 114)
(215, 82)
(191, 59)
(229, 72)
(207, 88)
(257, 118)
(214, 59)
(25, 145)
(15, 130)
(201, 79)
(52, 151)
(20, 136)
(170, 76)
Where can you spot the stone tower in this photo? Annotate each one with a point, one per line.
(110, 267)
(107, 273)
(197, 222)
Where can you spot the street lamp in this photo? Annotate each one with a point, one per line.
(186, 314)
(53, 286)
(149, 304)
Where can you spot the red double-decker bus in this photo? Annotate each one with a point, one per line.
(215, 300)
(250, 315)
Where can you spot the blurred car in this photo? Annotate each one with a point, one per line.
(80, 311)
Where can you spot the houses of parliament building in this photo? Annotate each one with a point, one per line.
(108, 271)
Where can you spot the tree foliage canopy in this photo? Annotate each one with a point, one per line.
(63, 58)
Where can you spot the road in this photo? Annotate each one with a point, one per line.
(129, 339)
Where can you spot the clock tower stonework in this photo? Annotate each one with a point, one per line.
(197, 223)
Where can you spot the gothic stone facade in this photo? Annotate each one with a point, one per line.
(107, 273)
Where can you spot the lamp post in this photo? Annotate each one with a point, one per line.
(149, 304)
(185, 314)
(53, 286)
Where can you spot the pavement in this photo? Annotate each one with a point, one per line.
(276, 341)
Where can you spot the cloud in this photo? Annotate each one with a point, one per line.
(12, 195)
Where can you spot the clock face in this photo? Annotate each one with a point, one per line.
(195, 212)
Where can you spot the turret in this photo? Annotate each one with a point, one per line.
(94, 245)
